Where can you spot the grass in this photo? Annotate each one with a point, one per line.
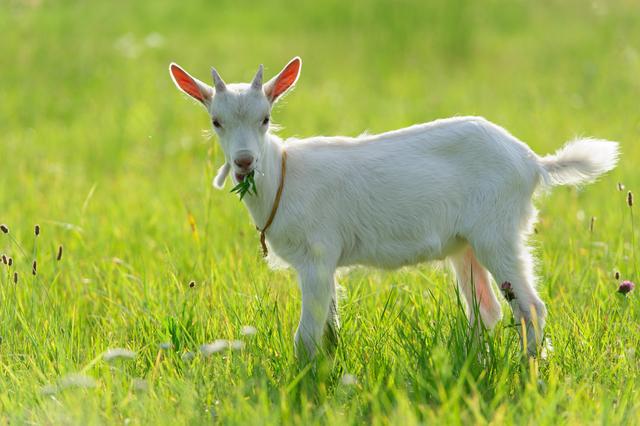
(102, 152)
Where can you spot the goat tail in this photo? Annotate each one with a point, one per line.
(579, 161)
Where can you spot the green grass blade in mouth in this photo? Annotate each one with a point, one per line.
(245, 187)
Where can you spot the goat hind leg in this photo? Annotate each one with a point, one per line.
(511, 264)
(475, 285)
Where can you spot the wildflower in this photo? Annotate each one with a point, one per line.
(215, 347)
(37, 230)
(4, 228)
(117, 353)
(630, 199)
(140, 385)
(349, 379)
(34, 269)
(10, 261)
(592, 224)
(248, 330)
(236, 345)
(187, 356)
(507, 291)
(192, 284)
(625, 287)
(617, 275)
(15, 278)
(70, 381)
(59, 252)
(547, 348)
(221, 345)
(620, 186)
(49, 390)
(4, 259)
(77, 381)
(165, 346)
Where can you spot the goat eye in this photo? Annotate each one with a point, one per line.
(217, 124)
(265, 121)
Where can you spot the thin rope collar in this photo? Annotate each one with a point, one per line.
(274, 209)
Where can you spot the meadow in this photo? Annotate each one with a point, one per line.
(99, 149)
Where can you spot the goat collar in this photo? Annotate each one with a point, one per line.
(276, 203)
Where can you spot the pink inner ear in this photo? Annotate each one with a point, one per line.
(287, 77)
(186, 83)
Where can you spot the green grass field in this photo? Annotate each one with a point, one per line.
(100, 150)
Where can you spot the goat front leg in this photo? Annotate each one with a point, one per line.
(332, 325)
(319, 316)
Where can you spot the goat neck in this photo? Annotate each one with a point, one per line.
(267, 179)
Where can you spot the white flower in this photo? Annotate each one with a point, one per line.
(215, 347)
(154, 40)
(221, 345)
(140, 385)
(165, 346)
(248, 330)
(116, 353)
(187, 356)
(547, 348)
(74, 380)
(236, 345)
(349, 379)
(77, 381)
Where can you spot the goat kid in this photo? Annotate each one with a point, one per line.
(458, 188)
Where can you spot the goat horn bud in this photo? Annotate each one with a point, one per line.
(217, 81)
(257, 80)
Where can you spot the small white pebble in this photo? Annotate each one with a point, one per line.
(117, 353)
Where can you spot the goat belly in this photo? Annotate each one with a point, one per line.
(392, 254)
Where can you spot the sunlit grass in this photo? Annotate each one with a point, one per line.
(160, 309)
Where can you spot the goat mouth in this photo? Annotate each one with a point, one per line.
(240, 176)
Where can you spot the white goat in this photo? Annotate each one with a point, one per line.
(459, 188)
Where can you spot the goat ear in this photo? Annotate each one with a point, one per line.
(284, 81)
(223, 171)
(189, 85)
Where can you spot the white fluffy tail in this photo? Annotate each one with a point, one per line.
(579, 161)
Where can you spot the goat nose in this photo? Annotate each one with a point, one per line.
(244, 162)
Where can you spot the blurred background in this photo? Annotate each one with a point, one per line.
(85, 97)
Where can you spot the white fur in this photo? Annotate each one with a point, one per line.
(458, 188)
